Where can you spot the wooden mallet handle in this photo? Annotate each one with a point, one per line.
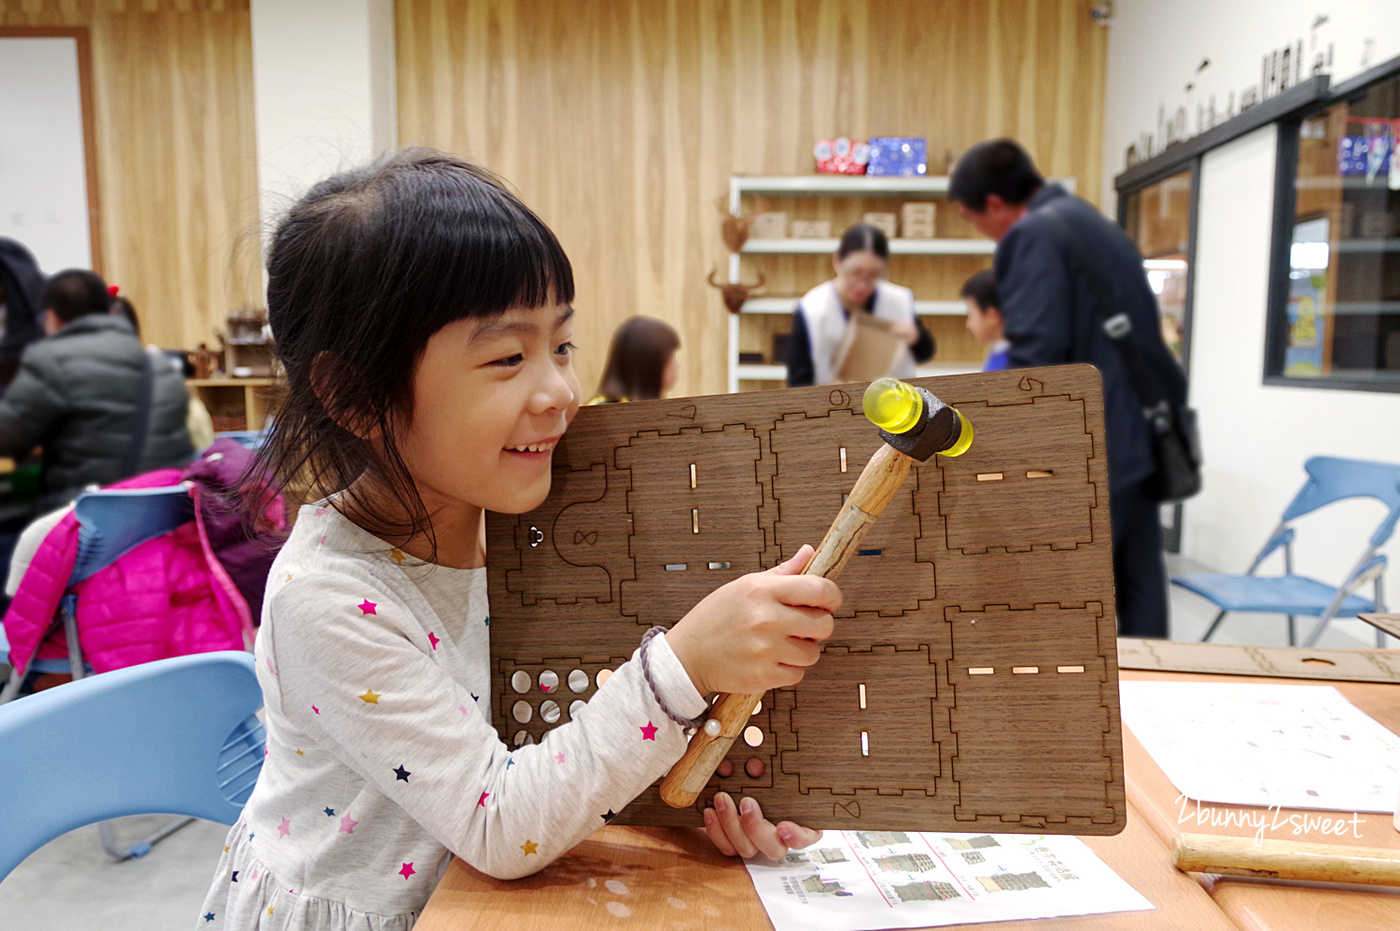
(877, 485)
(1280, 859)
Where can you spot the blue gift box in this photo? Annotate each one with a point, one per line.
(1355, 153)
(898, 155)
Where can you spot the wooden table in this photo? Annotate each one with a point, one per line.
(1256, 905)
(657, 878)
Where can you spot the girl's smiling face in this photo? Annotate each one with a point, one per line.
(491, 399)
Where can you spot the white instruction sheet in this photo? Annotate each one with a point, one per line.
(1285, 746)
(867, 880)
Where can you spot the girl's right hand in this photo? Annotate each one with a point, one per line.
(758, 632)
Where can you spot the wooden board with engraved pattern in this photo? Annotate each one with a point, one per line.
(972, 680)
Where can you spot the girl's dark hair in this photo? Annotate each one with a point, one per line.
(640, 349)
(982, 288)
(363, 270)
(123, 308)
(862, 237)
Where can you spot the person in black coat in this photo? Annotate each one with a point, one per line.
(78, 394)
(1049, 314)
(21, 289)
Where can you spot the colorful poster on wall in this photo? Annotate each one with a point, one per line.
(1307, 297)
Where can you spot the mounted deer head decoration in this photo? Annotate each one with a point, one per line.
(735, 229)
(736, 294)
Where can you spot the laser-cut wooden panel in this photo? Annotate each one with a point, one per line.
(980, 622)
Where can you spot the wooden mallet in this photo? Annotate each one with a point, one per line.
(914, 425)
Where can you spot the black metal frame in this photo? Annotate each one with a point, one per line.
(1171, 539)
(1285, 203)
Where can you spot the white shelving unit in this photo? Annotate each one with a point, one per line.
(927, 187)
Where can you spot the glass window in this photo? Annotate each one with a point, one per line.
(1338, 319)
(1158, 218)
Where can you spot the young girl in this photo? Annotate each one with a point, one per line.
(641, 362)
(423, 316)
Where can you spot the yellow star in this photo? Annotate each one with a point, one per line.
(269, 909)
(289, 577)
(397, 556)
(529, 847)
(225, 850)
(299, 753)
(369, 697)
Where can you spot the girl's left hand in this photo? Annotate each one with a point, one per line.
(744, 832)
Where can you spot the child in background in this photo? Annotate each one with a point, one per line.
(979, 293)
(423, 316)
(641, 362)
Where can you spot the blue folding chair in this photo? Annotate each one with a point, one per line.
(111, 523)
(1329, 480)
(177, 735)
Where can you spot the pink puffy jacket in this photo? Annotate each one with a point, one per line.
(167, 597)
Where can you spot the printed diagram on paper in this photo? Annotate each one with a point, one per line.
(864, 880)
(1286, 746)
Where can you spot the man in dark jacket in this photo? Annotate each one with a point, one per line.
(78, 395)
(1048, 309)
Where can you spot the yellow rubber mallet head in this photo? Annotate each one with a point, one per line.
(915, 422)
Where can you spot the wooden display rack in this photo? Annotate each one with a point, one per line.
(971, 683)
(240, 403)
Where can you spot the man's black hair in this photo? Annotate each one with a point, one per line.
(982, 288)
(997, 166)
(76, 293)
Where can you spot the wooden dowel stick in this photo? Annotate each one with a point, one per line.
(878, 483)
(1280, 859)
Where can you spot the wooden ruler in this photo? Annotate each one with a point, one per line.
(1284, 662)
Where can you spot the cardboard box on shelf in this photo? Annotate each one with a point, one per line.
(771, 225)
(811, 229)
(886, 223)
(918, 211)
(917, 231)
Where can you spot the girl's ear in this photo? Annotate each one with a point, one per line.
(323, 376)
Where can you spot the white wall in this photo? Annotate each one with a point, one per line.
(43, 167)
(1155, 46)
(1256, 438)
(324, 91)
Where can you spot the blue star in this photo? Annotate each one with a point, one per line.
(209, 917)
(474, 696)
(250, 838)
(401, 773)
(235, 876)
(330, 812)
(609, 816)
(486, 620)
(510, 762)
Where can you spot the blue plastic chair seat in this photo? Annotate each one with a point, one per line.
(1284, 594)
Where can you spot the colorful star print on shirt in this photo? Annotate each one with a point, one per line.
(358, 694)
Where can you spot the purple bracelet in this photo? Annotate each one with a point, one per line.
(651, 683)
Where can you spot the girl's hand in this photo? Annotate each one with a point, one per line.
(758, 632)
(906, 331)
(746, 833)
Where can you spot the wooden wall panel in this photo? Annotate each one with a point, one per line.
(620, 122)
(176, 159)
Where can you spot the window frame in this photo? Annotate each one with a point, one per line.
(1284, 219)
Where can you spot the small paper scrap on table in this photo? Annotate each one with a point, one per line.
(869, 880)
(1284, 746)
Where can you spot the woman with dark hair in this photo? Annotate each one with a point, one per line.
(641, 362)
(21, 289)
(818, 324)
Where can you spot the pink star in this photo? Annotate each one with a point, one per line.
(367, 606)
(560, 757)
(433, 639)
(347, 825)
(315, 709)
(649, 732)
(284, 828)
(407, 870)
(268, 662)
(320, 512)
(481, 802)
(254, 876)
(462, 708)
